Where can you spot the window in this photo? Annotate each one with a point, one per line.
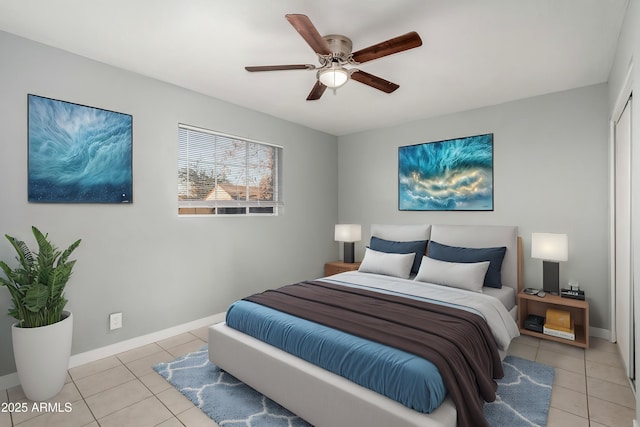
(225, 175)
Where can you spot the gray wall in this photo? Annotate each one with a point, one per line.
(550, 175)
(550, 171)
(142, 259)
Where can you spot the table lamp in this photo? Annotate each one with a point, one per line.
(348, 233)
(551, 249)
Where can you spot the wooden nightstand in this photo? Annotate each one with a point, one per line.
(533, 304)
(336, 267)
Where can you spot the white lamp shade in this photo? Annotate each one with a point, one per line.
(348, 233)
(333, 77)
(550, 247)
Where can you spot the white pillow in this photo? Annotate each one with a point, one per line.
(463, 275)
(398, 265)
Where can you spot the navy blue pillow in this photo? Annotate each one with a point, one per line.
(493, 279)
(419, 247)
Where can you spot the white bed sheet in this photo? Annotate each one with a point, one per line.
(500, 321)
(506, 295)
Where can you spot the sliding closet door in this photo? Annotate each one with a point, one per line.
(623, 255)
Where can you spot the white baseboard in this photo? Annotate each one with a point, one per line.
(11, 380)
(600, 333)
(130, 344)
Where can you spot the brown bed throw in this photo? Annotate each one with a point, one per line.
(457, 342)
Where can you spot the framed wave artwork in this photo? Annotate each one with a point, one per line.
(451, 175)
(78, 154)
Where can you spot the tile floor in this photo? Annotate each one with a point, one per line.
(590, 388)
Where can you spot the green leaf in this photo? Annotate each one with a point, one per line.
(36, 298)
(37, 284)
(67, 252)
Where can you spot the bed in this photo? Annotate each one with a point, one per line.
(324, 398)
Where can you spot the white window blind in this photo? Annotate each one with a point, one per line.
(221, 174)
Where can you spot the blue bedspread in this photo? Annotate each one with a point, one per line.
(401, 376)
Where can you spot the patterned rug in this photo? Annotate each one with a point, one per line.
(523, 394)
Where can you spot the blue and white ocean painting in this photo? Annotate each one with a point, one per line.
(452, 175)
(78, 154)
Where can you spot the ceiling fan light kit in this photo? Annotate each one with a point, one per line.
(334, 52)
(333, 77)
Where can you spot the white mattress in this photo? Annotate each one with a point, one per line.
(506, 295)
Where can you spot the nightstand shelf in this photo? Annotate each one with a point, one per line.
(533, 304)
(336, 267)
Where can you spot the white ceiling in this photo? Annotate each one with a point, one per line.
(475, 52)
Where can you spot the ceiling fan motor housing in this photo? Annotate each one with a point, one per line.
(340, 47)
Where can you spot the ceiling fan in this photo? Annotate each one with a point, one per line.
(334, 52)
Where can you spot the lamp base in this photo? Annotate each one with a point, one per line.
(349, 252)
(551, 277)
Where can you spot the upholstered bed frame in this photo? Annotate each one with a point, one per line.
(325, 399)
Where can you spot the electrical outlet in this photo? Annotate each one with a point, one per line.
(115, 321)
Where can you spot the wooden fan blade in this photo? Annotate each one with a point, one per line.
(280, 67)
(303, 25)
(374, 81)
(389, 47)
(317, 91)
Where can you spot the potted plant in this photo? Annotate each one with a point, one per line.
(42, 334)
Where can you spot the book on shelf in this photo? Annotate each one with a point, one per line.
(558, 318)
(560, 331)
(559, 324)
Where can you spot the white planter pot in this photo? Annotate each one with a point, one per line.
(42, 357)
